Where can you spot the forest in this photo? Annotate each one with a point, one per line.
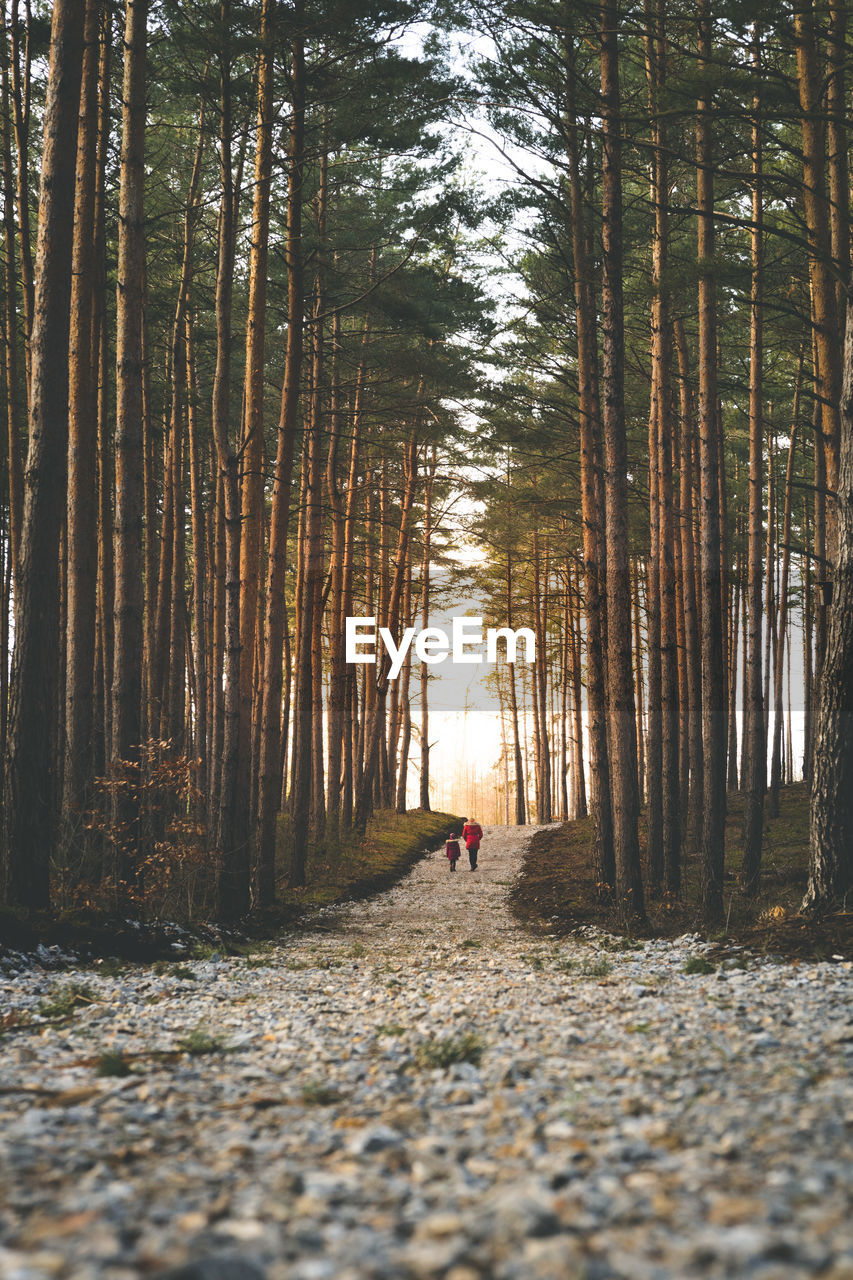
(269, 315)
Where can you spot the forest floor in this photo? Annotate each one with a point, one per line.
(418, 1087)
(557, 889)
(336, 871)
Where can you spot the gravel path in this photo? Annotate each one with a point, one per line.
(606, 1115)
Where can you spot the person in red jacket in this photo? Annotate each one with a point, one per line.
(472, 834)
(453, 851)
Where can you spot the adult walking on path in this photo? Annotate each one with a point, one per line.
(472, 834)
(420, 1088)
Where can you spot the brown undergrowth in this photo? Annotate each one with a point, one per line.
(557, 889)
(338, 870)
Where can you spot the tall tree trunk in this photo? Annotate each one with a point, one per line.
(130, 414)
(520, 772)
(231, 838)
(755, 780)
(307, 733)
(82, 506)
(692, 620)
(639, 652)
(623, 747)
(200, 560)
(824, 308)
(405, 704)
(13, 447)
(429, 481)
(101, 361)
(831, 838)
(29, 815)
(337, 664)
(374, 730)
(670, 773)
(713, 673)
(342, 676)
(592, 513)
(270, 753)
(778, 692)
(252, 478)
(581, 801)
(540, 606)
(21, 94)
(808, 646)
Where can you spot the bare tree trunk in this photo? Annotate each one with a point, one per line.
(755, 780)
(581, 802)
(824, 307)
(337, 664)
(713, 673)
(82, 507)
(15, 464)
(831, 840)
(540, 607)
(778, 692)
(374, 730)
(623, 747)
(405, 704)
(591, 507)
(808, 647)
(342, 678)
(130, 412)
(200, 560)
(429, 481)
(734, 639)
(641, 697)
(29, 814)
(270, 752)
(21, 94)
(662, 447)
(252, 478)
(691, 596)
(101, 361)
(231, 838)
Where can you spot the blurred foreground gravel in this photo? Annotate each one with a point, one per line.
(418, 1088)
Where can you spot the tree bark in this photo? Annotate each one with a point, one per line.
(713, 672)
(755, 780)
(778, 692)
(270, 753)
(13, 447)
(623, 748)
(29, 797)
(592, 514)
(82, 505)
(831, 836)
(252, 476)
(231, 838)
(429, 481)
(692, 620)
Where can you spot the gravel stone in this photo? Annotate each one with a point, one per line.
(620, 1121)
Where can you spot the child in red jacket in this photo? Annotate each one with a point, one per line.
(453, 851)
(472, 834)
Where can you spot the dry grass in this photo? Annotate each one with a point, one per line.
(351, 867)
(557, 888)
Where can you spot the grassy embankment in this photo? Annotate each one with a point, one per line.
(341, 871)
(557, 888)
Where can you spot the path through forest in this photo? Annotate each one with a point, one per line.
(418, 1088)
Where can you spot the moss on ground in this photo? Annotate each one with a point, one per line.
(557, 888)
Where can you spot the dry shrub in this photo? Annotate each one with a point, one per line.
(142, 845)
